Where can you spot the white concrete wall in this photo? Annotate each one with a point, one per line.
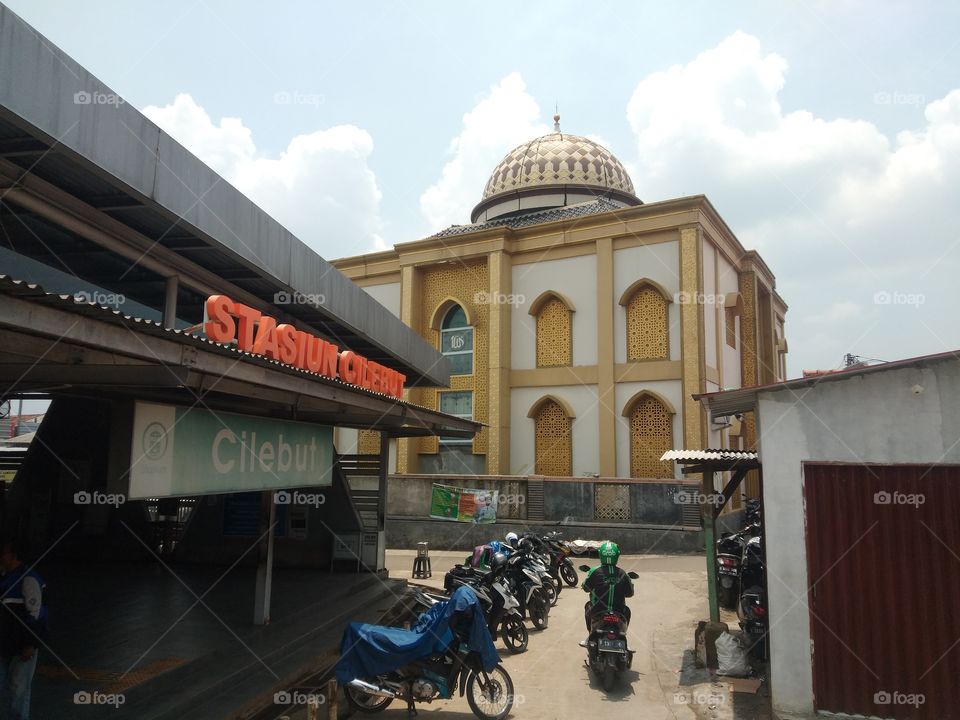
(576, 279)
(586, 440)
(345, 440)
(387, 295)
(876, 418)
(711, 323)
(659, 262)
(729, 285)
(672, 390)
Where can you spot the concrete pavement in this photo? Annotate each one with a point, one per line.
(551, 680)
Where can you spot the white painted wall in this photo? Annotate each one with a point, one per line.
(345, 440)
(659, 262)
(711, 324)
(576, 279)
(586, 439)
(874, 418)
(387, 295)
(729, 285)
(669, 389)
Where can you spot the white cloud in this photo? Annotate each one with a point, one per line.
(507, 116)
(840, 211)
(321, 187)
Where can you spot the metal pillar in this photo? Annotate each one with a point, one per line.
(261, 603)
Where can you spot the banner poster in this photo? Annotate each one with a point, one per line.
(462, 505)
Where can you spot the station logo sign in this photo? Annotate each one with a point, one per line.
(228, 322)
(180, 451)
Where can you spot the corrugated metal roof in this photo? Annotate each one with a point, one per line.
(730, 402)
(720, 454)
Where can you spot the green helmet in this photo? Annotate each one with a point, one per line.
(609, 553)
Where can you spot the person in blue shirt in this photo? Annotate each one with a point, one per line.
(22, 628)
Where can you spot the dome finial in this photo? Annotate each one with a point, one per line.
(556, 118)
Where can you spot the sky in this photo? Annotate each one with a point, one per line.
(827, 134)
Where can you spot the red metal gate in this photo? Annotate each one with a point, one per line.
(883, 556)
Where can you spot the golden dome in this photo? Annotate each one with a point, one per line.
(558, 159)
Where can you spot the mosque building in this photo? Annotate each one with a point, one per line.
(578, 321)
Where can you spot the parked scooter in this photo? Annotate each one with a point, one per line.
(752, 608)
(448, 649)
(729, 553)
(526, 583)
(509, 625)
(607, 651)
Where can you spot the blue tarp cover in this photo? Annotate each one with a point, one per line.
(370, 650)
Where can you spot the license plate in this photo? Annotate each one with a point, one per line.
(726, 581)
(756, 629)
(606, 645)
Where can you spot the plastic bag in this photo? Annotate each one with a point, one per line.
(731, 658)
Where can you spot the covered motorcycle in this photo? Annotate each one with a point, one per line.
(448, 648)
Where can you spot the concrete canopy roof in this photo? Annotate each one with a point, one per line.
(61, 125)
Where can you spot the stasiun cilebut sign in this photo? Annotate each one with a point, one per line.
(177, 451)
(227, 321)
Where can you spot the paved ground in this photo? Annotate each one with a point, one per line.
(551, 680)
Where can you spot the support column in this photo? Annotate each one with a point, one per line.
(606, 385)
(170, 303)
(692, 355)
(500, 268)
(261, 603)
(749, 365)
(410, 316)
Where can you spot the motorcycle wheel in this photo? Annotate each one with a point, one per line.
(494, 699)
(365, 702)
(538, 611)
(550, 590)
(727, 598)
(569, 575)
(515, 635)
(609, 677)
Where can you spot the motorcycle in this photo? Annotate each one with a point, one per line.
(752, 608)
(729, 550)
(448, 649)
(607, 651)
(527, 584)
(506, 623)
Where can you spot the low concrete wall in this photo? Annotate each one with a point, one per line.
(652, 502)
(406, 532)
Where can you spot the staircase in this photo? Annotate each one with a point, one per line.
(361, 476)
(534, 500)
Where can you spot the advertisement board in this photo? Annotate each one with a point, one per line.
(462, 505)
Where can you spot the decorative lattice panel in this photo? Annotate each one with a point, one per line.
(368, 442)
(647, 326)
(651, 435)
(611, 502)
(467, 283)
(553, 448)
(554, 335)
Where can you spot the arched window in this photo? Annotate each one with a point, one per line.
(456, 341)
(651, 435)
(554, 315)
(553, 444)
(647, 305)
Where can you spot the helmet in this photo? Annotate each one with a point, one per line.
(526, 545)
(512, 538)
(498, 561)
(609, 553)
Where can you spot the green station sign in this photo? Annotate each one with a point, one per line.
(178, 451)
